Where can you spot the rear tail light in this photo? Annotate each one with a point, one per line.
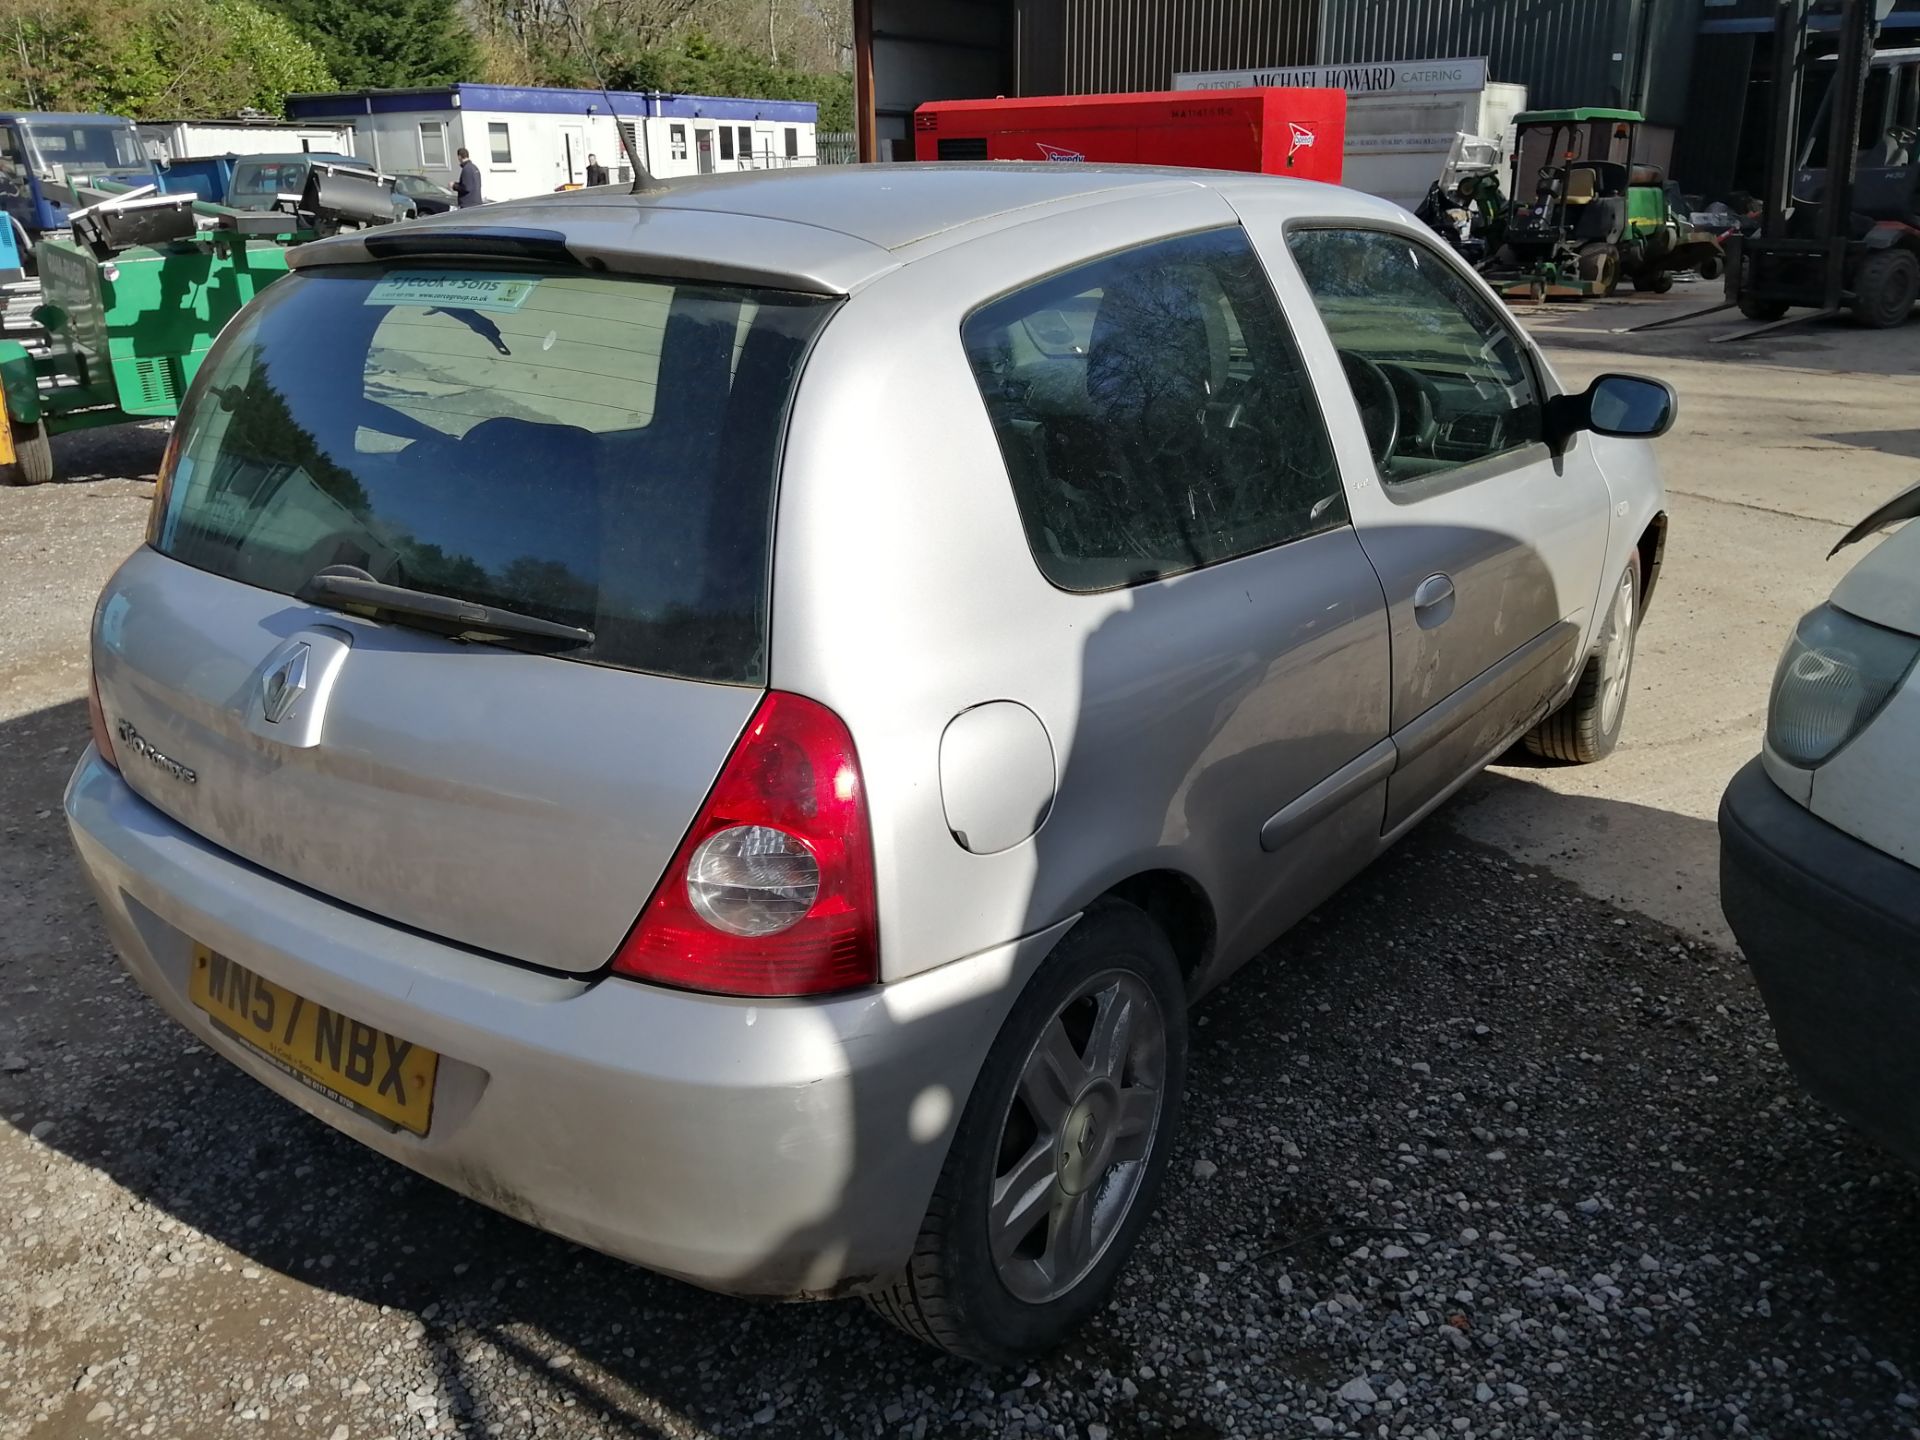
(771, 891)
(97, 721)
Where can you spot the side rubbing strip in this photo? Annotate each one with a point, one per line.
(1367, 769)
(1474, 699)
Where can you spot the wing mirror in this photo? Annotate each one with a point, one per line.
(1629, 407)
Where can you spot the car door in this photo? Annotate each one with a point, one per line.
(1174, 474)
(1488, 545)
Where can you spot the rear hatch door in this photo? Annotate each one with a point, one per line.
(559, 451)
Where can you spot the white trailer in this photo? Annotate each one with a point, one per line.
(1405, 118)
(184, 139)
(531, 141)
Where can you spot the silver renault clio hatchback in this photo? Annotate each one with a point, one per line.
(731, 723)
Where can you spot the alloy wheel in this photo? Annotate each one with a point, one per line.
(1075, 1140)
(1616, 653)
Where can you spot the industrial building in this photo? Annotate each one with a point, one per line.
(1698, 69)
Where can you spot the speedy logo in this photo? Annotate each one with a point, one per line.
(1054, 152)
(1304, 137)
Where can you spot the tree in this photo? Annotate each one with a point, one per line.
(154, 58)
(223, 56)
(387, 43)
(715, 47)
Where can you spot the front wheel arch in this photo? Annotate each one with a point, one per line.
(1652, 548)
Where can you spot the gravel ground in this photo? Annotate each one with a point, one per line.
(1471, 1154)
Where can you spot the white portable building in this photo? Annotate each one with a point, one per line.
(185, 139)
(529, 140)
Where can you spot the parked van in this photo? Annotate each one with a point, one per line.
(259, 181)
(42, 147)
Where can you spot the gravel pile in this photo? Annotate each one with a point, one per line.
(1470, 1156)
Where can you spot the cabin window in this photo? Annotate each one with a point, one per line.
(746, 142)
(499, 142)
(793, 143)
(433, 144)
(677, 141)
(726, 142)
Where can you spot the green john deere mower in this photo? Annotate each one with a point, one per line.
(1596, 215)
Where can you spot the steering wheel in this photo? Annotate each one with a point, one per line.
(1379, 406)
(1419, 418)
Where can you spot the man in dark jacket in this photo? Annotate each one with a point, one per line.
(596, 172)
(467, 187)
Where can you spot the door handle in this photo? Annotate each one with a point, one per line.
(1433, 601)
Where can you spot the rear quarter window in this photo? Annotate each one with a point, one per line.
(1154, 414)
(595, 451)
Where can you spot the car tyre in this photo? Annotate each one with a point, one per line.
(1060, 1151)
(1587, 727)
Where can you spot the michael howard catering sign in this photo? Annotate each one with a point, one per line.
(1413, 77)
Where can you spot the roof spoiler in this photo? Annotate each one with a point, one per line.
(405, 243)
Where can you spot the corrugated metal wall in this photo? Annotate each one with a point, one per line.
(1566, 52)
(1090, 46)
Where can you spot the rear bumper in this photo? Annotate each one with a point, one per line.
(772, 1148)
(1831, 929)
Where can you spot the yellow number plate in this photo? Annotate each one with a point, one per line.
(360, 1067)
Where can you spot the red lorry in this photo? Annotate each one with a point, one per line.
(1273, 129)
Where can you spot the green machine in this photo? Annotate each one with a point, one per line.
(1597, 215)
(133, 299)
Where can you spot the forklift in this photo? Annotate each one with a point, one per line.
(1842, 237)
(1597, 215)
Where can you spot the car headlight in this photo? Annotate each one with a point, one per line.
(1836, 674)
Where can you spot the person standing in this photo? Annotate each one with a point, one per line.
(467, 187)
(596, 172)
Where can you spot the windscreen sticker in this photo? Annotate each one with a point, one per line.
(432, 290)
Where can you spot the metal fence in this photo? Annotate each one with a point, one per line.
(836, 147)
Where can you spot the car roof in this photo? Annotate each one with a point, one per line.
(827, 229)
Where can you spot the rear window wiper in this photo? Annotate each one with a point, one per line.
(441, 614)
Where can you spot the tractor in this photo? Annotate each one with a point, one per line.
(136, 291)
(1596, 215)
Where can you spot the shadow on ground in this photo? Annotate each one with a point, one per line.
(1903, 443)
(1833, 346)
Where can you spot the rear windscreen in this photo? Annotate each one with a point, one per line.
(268, 181)
(594, 451)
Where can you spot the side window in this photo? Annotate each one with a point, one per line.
(1154, 414)
(1440, 380)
